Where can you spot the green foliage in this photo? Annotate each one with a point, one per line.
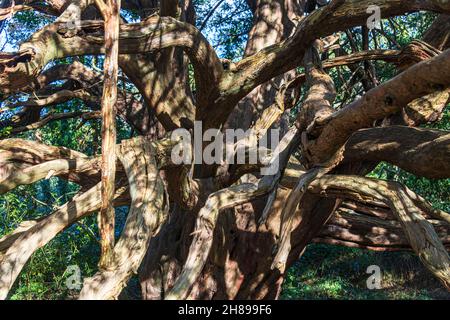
(23, 24)
(227, 27)
(5, 131)
(45, 275)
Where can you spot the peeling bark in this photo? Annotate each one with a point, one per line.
(106, 220)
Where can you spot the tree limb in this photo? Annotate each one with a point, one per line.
(148, 211)
(110, 10)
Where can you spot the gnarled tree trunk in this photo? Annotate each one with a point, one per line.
(224, 231)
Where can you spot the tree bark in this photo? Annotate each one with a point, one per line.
(230, 233)
(110, 10)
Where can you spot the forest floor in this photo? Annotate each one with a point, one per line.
(331, 272)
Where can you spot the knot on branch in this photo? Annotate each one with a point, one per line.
(228, 65)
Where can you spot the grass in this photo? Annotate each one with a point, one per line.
(330, 272)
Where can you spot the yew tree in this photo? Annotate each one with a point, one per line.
(224, 230)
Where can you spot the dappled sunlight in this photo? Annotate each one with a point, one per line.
(115, 118)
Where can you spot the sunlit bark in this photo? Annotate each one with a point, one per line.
(223, 231)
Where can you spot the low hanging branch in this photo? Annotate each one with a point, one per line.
(360, 229)
(55, 98)
(6, 13)
(142, 162)
(204, 232)
(18, 253)
(24, 162)
(412, 149)
(110, 11)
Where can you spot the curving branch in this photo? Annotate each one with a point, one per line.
(135, 112)
(75, 71)
(12, 175)
(148, 211)
(142, 161)
(280, 58)
(55, 98)
(423, 152)
(204, 231)
(15, 257)
(55, 117)
(153, 34)
(438, 35)
(33, 152)
(6, 13)
(295, 197)
(384, 100)
(25, 162)
(154, 56)
(222, 199)
(354, 229)
(156, 33)
(418, 230)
